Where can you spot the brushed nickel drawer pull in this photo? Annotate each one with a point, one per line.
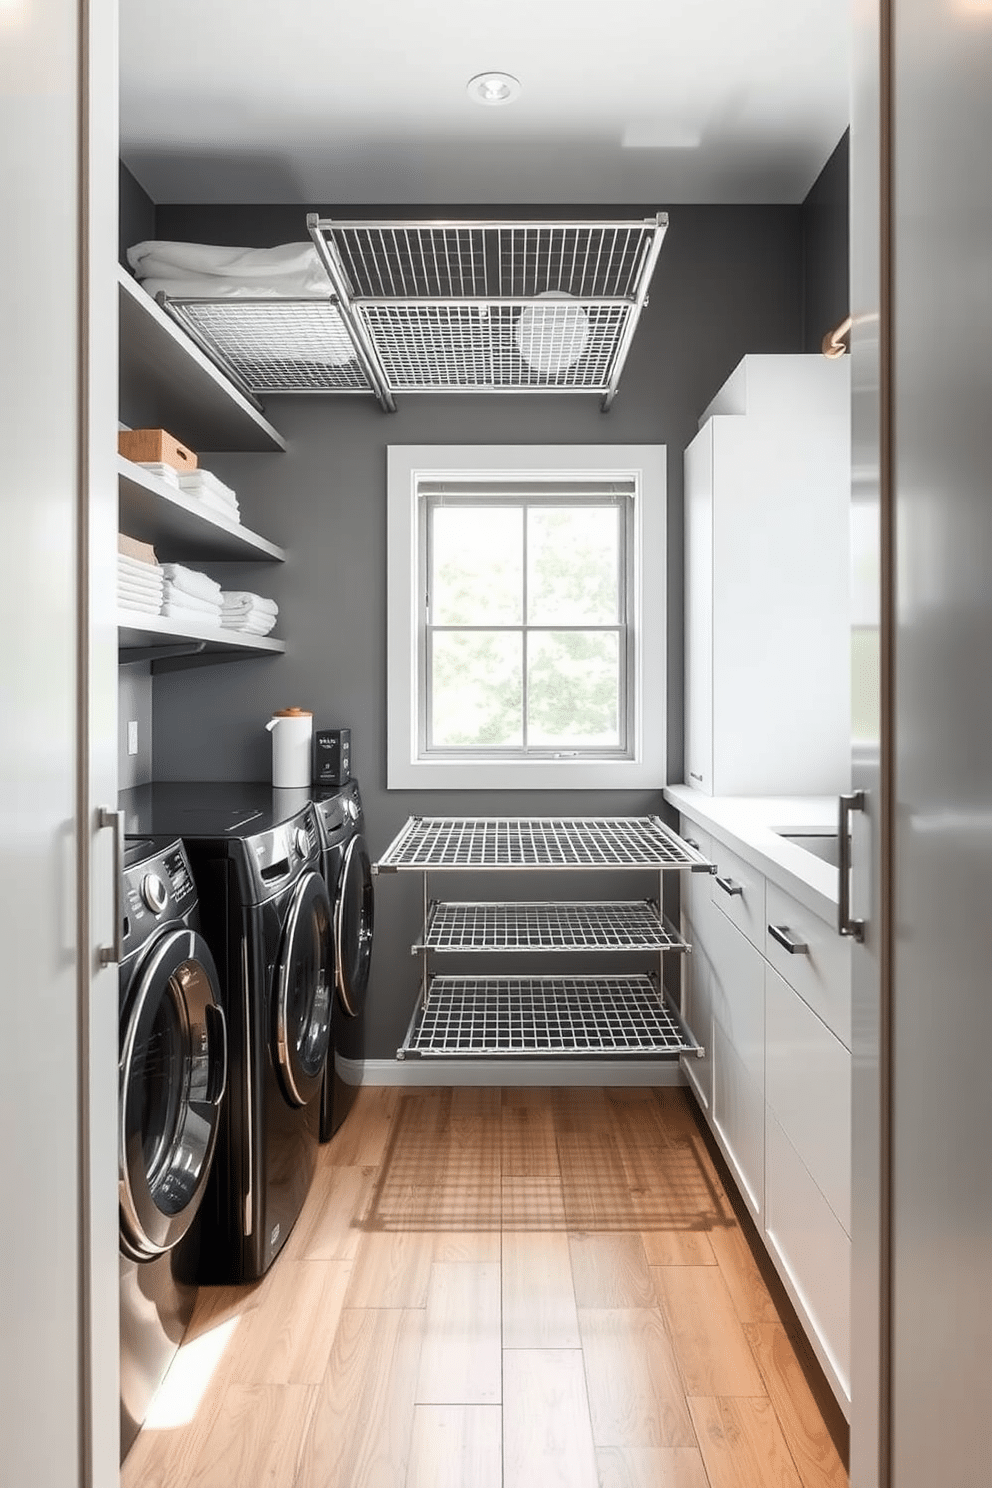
(730, 886)
(785, 938)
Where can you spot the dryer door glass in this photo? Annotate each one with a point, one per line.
(353, 917)
(303, 995)
(173, 1068)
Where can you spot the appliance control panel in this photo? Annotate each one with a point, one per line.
(158, 886)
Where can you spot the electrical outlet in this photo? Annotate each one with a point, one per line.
(132, 736)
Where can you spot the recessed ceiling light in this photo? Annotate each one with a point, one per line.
(493, 88)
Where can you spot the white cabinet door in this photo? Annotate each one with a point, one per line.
(699, 611)
(767, 651)
(812, 1252)
(808, 1087)
(697, 973)
(738, 995)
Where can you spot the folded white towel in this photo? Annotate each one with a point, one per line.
(139, 596)
(125, 563)
(216, 504)
(150, 588)
(192, 581)
(180, 597)
(237, 601)
(207, 269)
(187, 612)
(168, 473)
(141, 606)
(258, 625)
(199, 481)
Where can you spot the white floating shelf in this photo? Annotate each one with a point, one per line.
(176, 386)
(180, 526)
(137, 632)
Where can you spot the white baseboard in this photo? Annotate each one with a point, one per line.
(492, 1072)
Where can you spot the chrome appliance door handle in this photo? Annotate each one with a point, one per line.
(111, 955)
(854, 801)
(730, 886)
(792, 943)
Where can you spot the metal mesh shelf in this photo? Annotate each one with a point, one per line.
(546, 1016)
(456, 306)
(620, 925)
(432, 843)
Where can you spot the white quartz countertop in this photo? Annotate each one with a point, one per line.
(749, 826)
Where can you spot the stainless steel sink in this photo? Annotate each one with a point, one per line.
(825, 845)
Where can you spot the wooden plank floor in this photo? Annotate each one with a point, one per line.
(503, 1289)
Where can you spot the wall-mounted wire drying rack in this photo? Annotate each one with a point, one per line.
(546, 1015)
(454, 306)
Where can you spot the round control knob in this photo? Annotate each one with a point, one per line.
(154, 893)
(302, 841)
(351, 807)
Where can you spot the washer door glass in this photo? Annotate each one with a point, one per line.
(353, 918)
(303, 991)
(173, 1070)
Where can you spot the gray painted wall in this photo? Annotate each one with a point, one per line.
(826, 236)
(729, 281)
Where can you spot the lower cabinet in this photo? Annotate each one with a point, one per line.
(776, 1084)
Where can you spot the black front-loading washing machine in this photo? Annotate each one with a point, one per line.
(256, 858)
(173, 1067)
(348, 875)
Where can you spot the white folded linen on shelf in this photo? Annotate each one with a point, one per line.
(183, 598)
(216, 504)
(138, 565)
(199, 481)
(168, 473)
(197, 270)
(177, 611)
(138, 596)
(140, 591)
(140, 606)
(253, 625)
(192, 581)
(238, 601)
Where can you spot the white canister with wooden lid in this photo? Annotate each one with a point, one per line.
(292, 736)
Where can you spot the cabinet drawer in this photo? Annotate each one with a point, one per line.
(739, 890)
(808, 1087)
(812, 1252)
(822, 973)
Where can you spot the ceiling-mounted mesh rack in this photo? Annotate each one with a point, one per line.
(546, 1017)
(456, 306)
(451, 842)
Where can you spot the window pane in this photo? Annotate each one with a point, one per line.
(573, 565)
(573, 689)
(476, 689)
(477, 560)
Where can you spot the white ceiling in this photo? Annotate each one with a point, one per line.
(647, 101)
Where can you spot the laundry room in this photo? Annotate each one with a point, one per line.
(481, 483)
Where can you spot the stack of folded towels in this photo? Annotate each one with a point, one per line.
(211, 492)
(190, 595)
(140, 582)
(244, 611)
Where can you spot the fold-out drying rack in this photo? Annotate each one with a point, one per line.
(455, 306)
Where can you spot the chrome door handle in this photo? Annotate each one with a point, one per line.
(855, 801)
(730, 886)
(783, 935)
(111, 955)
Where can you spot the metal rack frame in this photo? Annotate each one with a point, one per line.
(549, 1015)
(444, 306)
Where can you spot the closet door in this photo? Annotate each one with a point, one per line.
(58, 1005)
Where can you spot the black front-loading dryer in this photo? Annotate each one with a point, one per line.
(348, 874)
(172, 1071)
(256, 858)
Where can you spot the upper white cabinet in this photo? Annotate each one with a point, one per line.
(767, 494)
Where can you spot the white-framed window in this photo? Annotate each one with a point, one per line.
(526, 616)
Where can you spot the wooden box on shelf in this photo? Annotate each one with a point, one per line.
(155, 446)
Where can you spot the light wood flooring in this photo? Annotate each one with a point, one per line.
(503, 1289)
